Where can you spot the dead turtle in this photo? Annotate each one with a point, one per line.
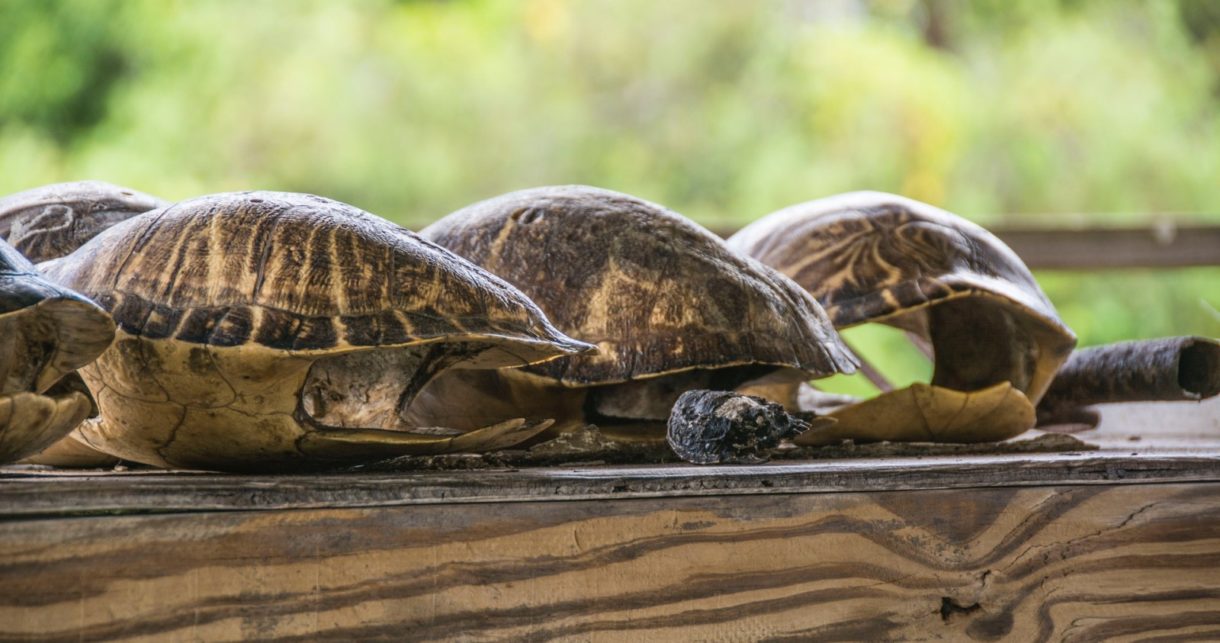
(669, 306)
(54, 220)
(957, 290)
(268, 330)
(46, 333)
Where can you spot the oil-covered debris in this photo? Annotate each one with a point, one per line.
(1157, 370)
(710, 427)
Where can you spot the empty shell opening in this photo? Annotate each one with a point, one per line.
(1199, 369)
(978, 342)
(374, 389)
(27, 344)
(654, 398)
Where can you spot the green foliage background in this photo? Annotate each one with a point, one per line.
(1005, 111)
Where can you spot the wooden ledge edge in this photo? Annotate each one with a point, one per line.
(29, 495)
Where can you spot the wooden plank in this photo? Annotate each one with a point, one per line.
(1153, 426)
(1164, 245)
(57, 494)
(1071, 563)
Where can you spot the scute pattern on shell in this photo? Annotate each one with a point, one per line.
(875, 257)
(870, 255)
(657, 293)
(292, 272)
(81, 330)
(51, 221)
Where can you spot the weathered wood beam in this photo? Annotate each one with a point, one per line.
(1071, 562)
(60, 494)
(1158, 246)
(1104, 248)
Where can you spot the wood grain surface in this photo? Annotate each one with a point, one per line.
(32, 493)
(1065, 563)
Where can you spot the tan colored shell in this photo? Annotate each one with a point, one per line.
(54, 220)
(46, 333)
(299, 273)
(267, 330)
(72, 453)
(30, 422)
(669, 306)
(654, 291)
(870, 257)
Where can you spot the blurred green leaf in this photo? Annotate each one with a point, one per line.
(1024, 111)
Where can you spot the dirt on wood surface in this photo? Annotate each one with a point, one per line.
(590, 447)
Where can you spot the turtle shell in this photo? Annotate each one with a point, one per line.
(876, 257)
(54, 220)
(264, 330)
(46, 333)
(656, 293)
(302, 274)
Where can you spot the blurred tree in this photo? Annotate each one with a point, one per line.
(62, 61)
(1005, 111)
(1201, 18)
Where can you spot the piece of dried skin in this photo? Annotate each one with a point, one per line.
(72, 454)
(782, 386)
(361, 443)
(467, 400)
(30, 422)
(926, 413)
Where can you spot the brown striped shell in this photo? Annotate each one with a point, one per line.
(654, 291)
(870, 257)
(54, 220)
(46, 333)
(298, 272)
(267, 330)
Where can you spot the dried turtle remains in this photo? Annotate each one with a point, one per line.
(669, 306)
(959, 292)
(46, 333)
(54, 220)
(265, 330)
(713, 427)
